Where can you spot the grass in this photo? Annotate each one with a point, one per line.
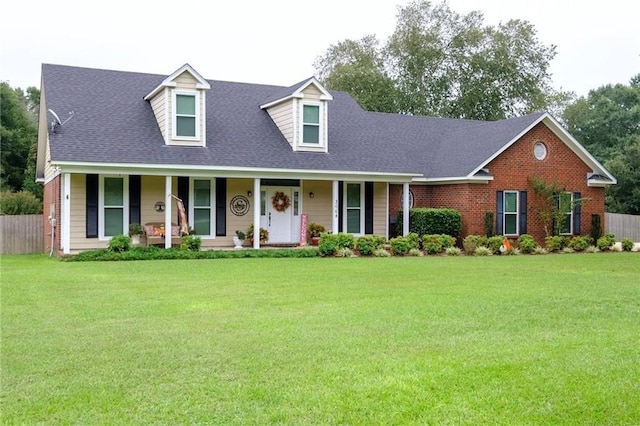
(432, 340)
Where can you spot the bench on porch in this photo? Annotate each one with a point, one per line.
(155, 233)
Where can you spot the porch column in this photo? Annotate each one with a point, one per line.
(336, 207)
(405, 208)
(65, 229)
(167, 212)
(256, 213)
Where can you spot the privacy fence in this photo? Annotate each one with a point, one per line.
(21, 234)
(623, 226)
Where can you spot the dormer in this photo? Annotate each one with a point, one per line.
(179, 106)
(301, 114)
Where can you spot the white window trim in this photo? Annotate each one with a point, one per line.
(321, 124)
(101, 206)
(174, 114)
(347, 208)
(505, 213)
(569, 213)
(212, 212)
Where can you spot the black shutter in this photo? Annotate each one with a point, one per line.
(183, 194)
(499, 212)
(340, 204)
(221, 207)
(91, 206)
(523, 212)
(368, 207)
(135, 185)
(577, 211)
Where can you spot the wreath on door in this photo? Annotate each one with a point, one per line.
(280, 201)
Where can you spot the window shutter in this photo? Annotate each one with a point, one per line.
(340, 204)
(556, 203)
(577, 211)
(499, 212)
(221, 207)
(135, 185)
(368, 207)
(183, 194)
(523, 212)
(91, 187)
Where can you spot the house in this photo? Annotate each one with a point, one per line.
(116, 148)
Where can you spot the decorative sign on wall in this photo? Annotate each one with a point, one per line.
(159, 206)
(239, 205)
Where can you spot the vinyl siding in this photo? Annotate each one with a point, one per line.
(282, 116)
(158, 105)
(78, 240)
(49, 172)
(186, 81)
(317, 208)
(380, 208)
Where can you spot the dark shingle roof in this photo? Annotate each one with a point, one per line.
(112, 123)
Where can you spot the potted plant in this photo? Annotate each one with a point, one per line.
(135, 231)
(314, 230)
(238, 239)
(264, 235)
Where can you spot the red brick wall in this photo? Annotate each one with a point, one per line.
(511, 171)
(51, 195)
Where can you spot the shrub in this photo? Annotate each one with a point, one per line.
(540, 250)
(447, 241)
(415, 252)
(328, 244)
(471, 242)
(452, 251)
(567, 250)
(432, 243)
(345, 252)
(264, 234)
(526, 243)
(191, 243)
(606, 241)
(596, 227)
(401, 245)
(555, 243)
(580, 242)
(346, 240)
(16, 203)
(627, 244)
(381, 253)
(591, 249)
(488, 224)
(119, 243)
(424, 221)
(482, 251)
(367, 244)
(494, 243)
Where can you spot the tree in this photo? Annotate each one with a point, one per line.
(607, 124)
(551, 204)
(439, 62)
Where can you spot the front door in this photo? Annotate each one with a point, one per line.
(279, 213)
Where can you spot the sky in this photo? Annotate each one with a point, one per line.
(277, 41)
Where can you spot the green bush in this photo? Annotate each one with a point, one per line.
(432, 243)
(472, 241)
(596, 227)
(328, 244)
(191, 243)
(425, 221)
(447, 241)
(488, 224)
(367, 244)
(402, 245)
(627, 244)
(526, 243)
(453, 251)
(482, 251)
(580, 242)
(346, 240)
(119, 243)
(606, 242)
(555, 243)
(17, 203)
(494, 244)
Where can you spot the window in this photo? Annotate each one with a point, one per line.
(565, 206)
(186, 116)
(510, 213)
(354, 216)
(311, 124)
(202, 209)
(114, 211)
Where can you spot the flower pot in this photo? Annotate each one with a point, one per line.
(135, 240)
(315, 240)
(238, 242)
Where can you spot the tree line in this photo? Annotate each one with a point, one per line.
(437, 62)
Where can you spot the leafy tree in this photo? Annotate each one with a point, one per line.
(439, 62)
(17, 133)
(547, 205)
(625, 166)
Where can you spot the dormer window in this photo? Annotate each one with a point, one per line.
(186, 115)
(311, 124)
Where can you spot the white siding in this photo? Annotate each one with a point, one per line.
(158, 105)
(282, 116)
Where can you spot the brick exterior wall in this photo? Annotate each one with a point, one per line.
(512, 170)
(51, 195)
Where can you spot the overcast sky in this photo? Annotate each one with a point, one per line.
(276, 41)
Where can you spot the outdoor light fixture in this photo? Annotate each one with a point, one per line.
(311, 195)
(249, 193)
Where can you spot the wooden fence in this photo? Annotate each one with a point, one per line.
(21, 234)
(622, 226)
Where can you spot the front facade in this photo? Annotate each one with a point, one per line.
(129, 145)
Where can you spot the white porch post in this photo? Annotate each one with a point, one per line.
(256, 213)
(336, 207)
(405, 208)
(167, 212)
(65, 229)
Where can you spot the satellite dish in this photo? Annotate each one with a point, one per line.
(56, 122)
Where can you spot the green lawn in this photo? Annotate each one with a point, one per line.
(508, 340)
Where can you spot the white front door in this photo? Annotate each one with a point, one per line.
(280, 221)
